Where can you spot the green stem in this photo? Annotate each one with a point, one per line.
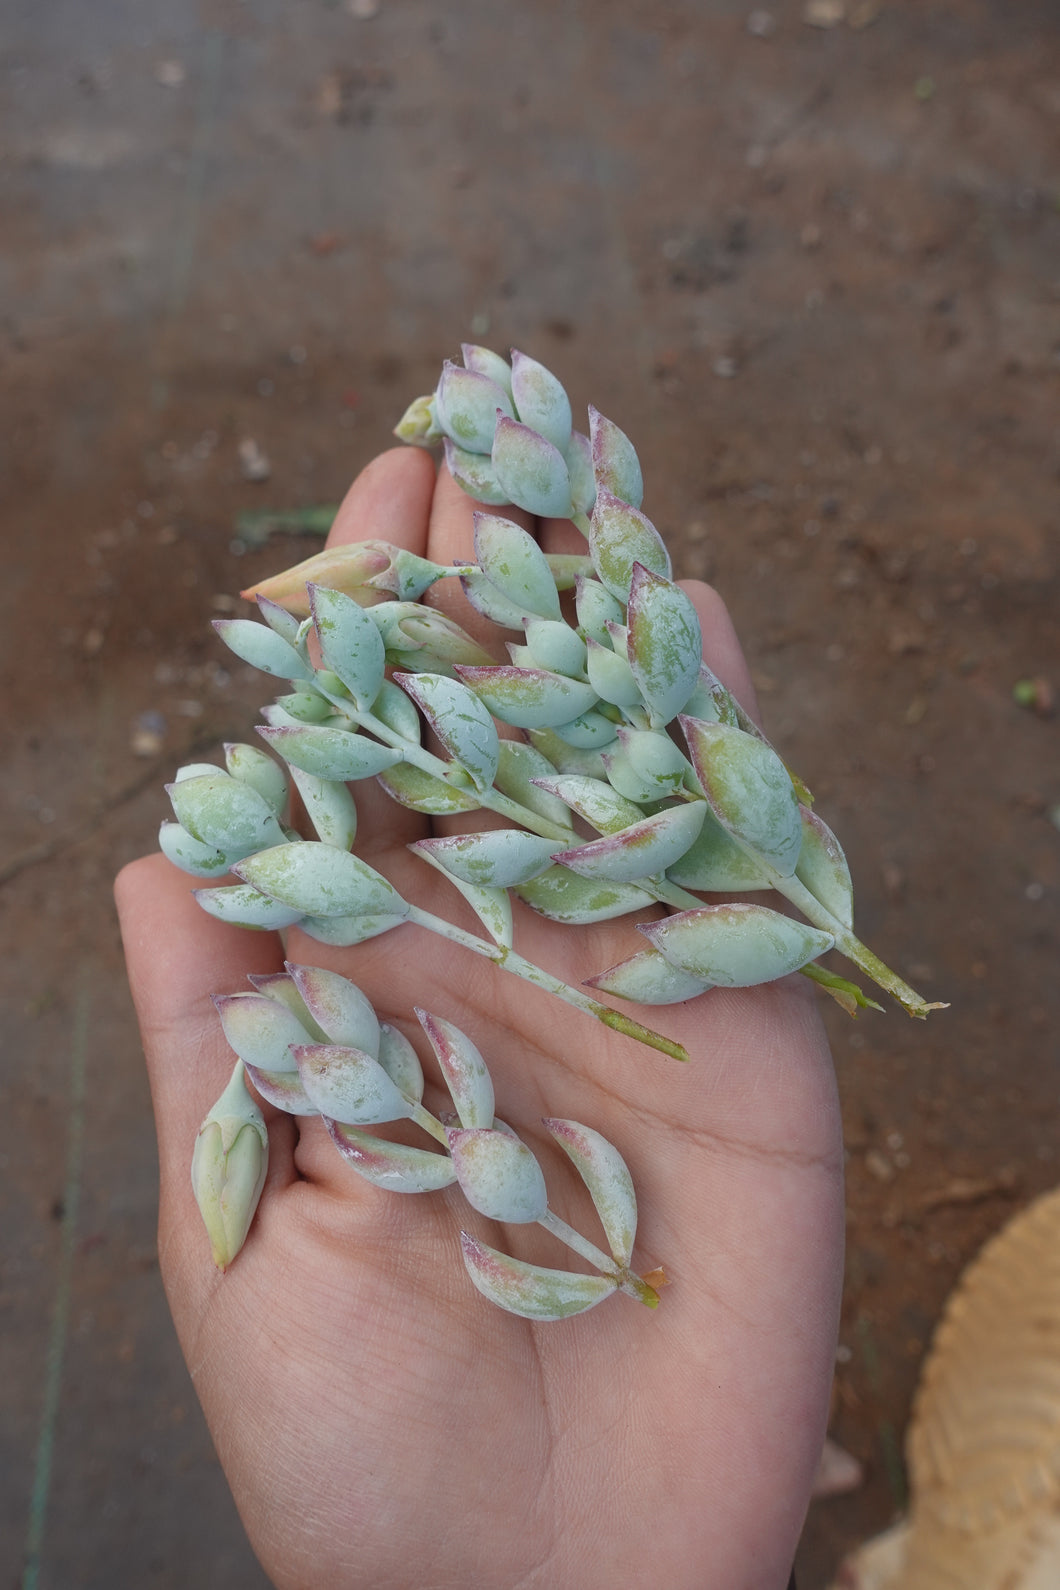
(429, 1123)
(539, 978)
(628, 1281)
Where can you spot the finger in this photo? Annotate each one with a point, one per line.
(389, 501)
(177, 956)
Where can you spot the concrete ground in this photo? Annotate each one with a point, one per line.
(814, 271)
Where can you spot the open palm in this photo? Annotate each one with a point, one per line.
(379, 1423)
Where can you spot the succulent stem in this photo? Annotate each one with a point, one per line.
(513, 962)
(628, 1281)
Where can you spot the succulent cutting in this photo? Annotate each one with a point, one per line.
(623, 773)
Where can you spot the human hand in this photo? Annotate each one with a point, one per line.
(380, 1425)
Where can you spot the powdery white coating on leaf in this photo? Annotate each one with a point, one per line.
(349, 1085)
(396, 1167)
(531, 471)
(466, 405)
(620, 536)
(823, 868)
(642, 850)
(540, 400)
(223, 812)
(578, 456)
(611, 676)
(400, 1062)
(474, 474)
(463, 1068)
(716, 863)
(513, 562)
(555, 645)
(338, 1007)
(649, 979)
(347, 930)
(600, 805)
(320, 880)
(330, 808)
(421, 791)
(491, 905)
(189, 854)
(665, 646)
(530, 1290)
(615, 462)
(561, 896)
(606, 1174)
(485, 362)
(519, 769)
(749, 789)
(529, 698)
(241, 905)
(459, 719)
(263, 773)
(282, 1089)
(498, 1175)
(330, 753)
(350, 643)
(261, 1030)
(496, 858)
(736, 946)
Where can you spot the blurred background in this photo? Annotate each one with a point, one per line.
(808, 256)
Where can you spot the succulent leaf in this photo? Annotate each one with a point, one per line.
(475, 474)
(485, 362)
(529, 698)
(262, 648)
(330, 808)
(223, 812)
(350, 643)
(519, 769)
(615, 462)
(463, 1068)
(553, 644)
(665, 647)
(420, 791)
(243, 906)
(467, 404)
(347, 568)
(460, 721)
(601, 806)
(620, 536)
(606, 1174)
(540, 400)
(400, 1062)
(396, 1167)
(498, 1174)
(591, 731)
(513, 562)
(823, 868)
(348, 1085)
(562, 896)
(645, 766)
(491, 905)
(716, 863)
(393, 708)
(648, 978)
(320, 880)
(642, 850)
(596, 608)
(578, 456)
(339, 1008)
(749, 789)
(530, 1290)
(531, 471)
(495, 858)
(282, 1089)
(261, 1030)
(611, 676)
(736, 946)
(347, 930)
(263, 773)
(333, 754)
(190, 854)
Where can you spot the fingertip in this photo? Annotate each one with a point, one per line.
(390, 500)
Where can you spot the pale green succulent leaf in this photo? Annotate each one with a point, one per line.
(823, 868)
(223, 812)
(620, 536)
(190, 854)
(320, 880)
(495, 858)
(642, 850)
(738, 945)
(540, 400)
(491, 905)
(555, 645)
(395, 1167)
(531, 1290)
(330, 808)
(460, 720)
(463, 1068)
(342, 1012)
(262, 648)
(606, 1174)
(519, 769)
(332, 754)
(529, 698)
(515, 565)
(648, 978)
(263, 773)
(350, 643)
(614, 458)
(562, 896)
(400, 1062)
(466, 406)
(749, 790)
(475, 474)
(716, 863)
(611, 676)
(531, 470)
(348, 1085)
(261, 1030)
(498, 1174)
(420, 791)
(665, 646)
(600, 805)
(243, 906)
(282, 1089)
